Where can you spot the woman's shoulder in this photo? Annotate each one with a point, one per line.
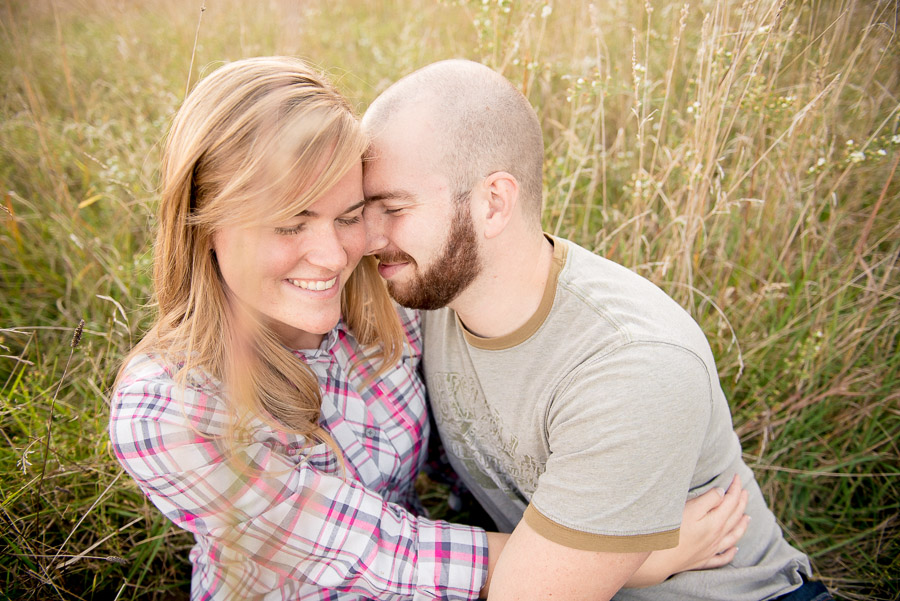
(411, 323)
(145, 366)
(150, 387)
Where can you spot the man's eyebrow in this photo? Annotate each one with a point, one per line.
(349, 209)
(390, 195)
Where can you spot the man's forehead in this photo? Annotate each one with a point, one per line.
(399, 165)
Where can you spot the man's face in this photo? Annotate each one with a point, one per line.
(431, 252)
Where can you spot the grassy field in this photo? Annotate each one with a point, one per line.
(743, 155)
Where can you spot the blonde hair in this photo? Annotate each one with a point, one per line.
(248, 140)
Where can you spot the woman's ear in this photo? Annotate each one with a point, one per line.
(502, 195)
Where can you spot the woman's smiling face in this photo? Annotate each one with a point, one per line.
(292, 274)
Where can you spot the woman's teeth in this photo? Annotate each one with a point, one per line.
(314, 284)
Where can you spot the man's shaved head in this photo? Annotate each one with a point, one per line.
(480, 123)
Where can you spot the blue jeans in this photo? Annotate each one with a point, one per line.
(810, 590)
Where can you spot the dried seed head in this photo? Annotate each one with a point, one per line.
(116, 559)
(76, 337)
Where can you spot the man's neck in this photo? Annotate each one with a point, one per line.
(510, 288)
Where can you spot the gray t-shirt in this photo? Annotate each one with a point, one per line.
(596, 420)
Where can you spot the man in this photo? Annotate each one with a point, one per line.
(577, 401)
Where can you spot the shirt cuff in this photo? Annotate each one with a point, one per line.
(452, 561)
(586, 541)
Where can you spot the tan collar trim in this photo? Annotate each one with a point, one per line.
(536, 320)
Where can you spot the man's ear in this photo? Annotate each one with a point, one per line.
(502, 193)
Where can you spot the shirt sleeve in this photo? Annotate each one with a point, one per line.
(277, 515)
(625, 432)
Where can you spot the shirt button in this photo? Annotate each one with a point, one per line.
(371, 432)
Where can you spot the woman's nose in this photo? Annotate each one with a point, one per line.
(329, 252)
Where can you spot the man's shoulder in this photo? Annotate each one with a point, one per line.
(587, 272)
(591, 288)
(436, 320)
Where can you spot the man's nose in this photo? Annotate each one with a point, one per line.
(376, 234)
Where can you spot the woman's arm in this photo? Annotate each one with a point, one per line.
(712, 524)
(270, 520)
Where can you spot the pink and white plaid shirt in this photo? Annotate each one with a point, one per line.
(294, 528)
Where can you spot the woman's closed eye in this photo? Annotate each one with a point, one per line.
(288, 230)
(353, 215)
(350, 220)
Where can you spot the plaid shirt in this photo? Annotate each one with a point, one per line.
(294, 528)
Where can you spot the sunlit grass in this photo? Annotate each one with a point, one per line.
(742, 155)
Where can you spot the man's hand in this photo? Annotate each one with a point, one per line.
(711, 525)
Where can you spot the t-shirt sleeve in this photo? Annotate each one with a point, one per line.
(625, 431)
(273, 515)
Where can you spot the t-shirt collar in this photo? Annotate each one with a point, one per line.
(534, 322)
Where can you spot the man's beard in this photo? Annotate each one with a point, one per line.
(455, 268)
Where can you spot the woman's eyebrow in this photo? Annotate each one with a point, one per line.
(350, 209)
(354, 207)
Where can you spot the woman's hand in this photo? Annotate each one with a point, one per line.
(711, 525)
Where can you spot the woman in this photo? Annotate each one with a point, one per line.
(274, 408)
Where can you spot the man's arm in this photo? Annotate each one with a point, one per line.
(621, 462)
(533, 567)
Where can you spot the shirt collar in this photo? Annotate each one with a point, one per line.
(324, 352)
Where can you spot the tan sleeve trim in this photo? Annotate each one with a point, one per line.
(535, 321)
(585, 541)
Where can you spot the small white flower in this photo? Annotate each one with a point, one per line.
(882, 152)
(857, 156)
(820, 162)
(850, 142)
(546, 11)
(895, 139)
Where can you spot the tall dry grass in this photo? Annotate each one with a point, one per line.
(742, 155)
